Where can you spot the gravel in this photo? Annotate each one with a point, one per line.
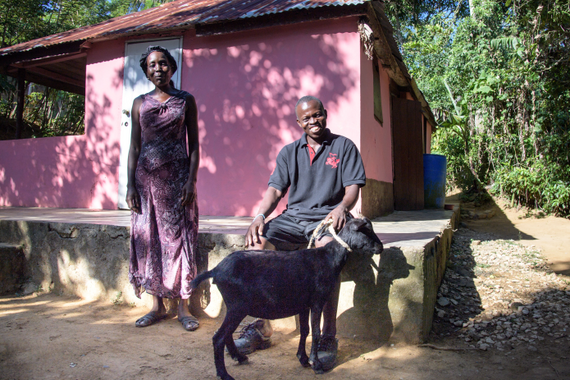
(500, 295)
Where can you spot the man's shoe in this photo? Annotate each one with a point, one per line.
(326, 352)
(252, 339)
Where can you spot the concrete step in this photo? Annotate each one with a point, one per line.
(391, 297)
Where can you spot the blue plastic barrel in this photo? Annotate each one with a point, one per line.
(434, 180)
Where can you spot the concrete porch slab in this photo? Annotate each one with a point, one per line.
(86, 253)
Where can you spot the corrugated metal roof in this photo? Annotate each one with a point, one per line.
(175, 15)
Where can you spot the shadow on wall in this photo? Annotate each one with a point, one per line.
(64, 172)
(103, 156)
(90, 261)
(247, 114)
(370, 316)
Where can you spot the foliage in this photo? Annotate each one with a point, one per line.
(57, 112)
(498, 80)
(47, 111)
(118, 300)
(536, 186)
(405, 13)
(25, 20)
(123, 7)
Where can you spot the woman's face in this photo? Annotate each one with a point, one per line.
(159, 71)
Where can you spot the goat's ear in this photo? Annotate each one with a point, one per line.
(358, 224)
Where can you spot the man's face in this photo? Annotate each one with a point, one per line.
(312, 117)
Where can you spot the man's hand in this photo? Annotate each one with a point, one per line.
(255, 230)
(268, 204)
(338, 215)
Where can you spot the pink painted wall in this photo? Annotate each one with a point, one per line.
(246, 86)
(72, 171)
(103, 118)
(376, 138)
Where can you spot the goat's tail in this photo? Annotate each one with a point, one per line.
(201, 277)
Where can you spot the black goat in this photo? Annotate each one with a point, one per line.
(278, 284)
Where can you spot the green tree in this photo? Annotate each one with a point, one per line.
(497, 78)
(21, 20)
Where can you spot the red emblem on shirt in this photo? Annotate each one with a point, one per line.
(332, 160)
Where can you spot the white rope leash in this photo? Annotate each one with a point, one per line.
(327, 224)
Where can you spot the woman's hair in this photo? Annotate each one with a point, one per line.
(169, 57)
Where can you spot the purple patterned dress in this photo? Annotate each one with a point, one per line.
(164, 235)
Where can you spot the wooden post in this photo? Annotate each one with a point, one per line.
(20, 106)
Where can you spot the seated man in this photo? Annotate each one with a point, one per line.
(323, 173)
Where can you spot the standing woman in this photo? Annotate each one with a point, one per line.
(162, 191)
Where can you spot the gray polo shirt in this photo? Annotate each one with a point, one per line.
(317, 187)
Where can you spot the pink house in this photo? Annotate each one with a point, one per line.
(246, 63)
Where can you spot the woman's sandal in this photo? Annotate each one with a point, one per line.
(149, 319)
(189, 323)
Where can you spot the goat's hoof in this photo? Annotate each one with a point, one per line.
(225, 377)
(304, 361)
(242, 359)
(239, 357)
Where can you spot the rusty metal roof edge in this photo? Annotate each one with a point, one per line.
(193, 22)
(170, 31)
(298, 6)
(111, 35)
(219, 28)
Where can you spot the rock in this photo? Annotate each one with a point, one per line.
(500, 294)
(475, 336)
(442, 301)
(463, 272)
(29, 288)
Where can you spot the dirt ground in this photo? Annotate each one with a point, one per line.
(46, 336)
(550, 234)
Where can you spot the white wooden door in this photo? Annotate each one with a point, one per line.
(135, 83)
